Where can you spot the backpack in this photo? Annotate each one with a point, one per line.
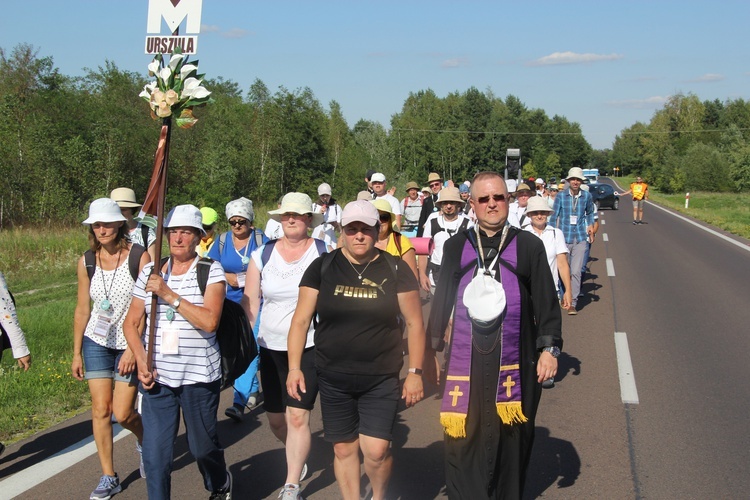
(134, 260)
(236, 340)
(435, 226)
(268, 248)
(258, 240)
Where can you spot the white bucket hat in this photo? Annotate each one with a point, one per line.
(576, 173)
(104, 210)
(185, 216)
(296, 203)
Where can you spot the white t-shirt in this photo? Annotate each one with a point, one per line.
(279, 285)
(273, 229)
(517, 216)
(554, 245)
(198, 359)
(395, 205)
(450, 228)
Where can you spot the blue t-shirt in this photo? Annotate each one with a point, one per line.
(231, 259)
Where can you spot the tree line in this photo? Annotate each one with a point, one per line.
(689, 145)
(67, 140)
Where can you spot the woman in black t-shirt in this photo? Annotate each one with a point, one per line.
(358, 292)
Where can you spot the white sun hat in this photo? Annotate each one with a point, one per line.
(104, 210)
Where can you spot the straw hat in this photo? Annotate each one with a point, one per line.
(523, 187)
(411, 185)
(434, 177)
(185, 216)
(104, 210)
(538, 204)
(296, 203)
(125, 197)
(449, 194)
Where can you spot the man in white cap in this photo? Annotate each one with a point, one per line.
(573, 213)
(331, 211)
(377, 182)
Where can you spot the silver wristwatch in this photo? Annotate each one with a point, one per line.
(554, 350)
(176, 303)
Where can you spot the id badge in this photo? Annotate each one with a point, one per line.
(241, 280)
(101, 328)
(170, 342)
(573, 220)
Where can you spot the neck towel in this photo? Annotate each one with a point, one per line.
(455, 406)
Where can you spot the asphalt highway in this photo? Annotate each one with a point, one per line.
(678, 296)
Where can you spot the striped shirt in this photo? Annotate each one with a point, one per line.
(198, 359)
(568, 209)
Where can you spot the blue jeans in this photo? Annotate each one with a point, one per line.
(248, 383)
(161, 407)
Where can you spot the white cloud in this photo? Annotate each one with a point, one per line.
(708, 77)
(209, 28)
(572, 58)
(235, 33)
(456, 62)
(648, 103)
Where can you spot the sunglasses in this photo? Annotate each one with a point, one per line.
(237, 222)
(486, 199)
(385, 217)
(434, 184)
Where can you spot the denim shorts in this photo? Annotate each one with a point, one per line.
(101, 362)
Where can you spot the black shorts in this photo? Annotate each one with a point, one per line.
(358, 404)
(274, 368)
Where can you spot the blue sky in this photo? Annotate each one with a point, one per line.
(603, 64)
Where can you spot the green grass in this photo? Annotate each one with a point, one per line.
(728, 211)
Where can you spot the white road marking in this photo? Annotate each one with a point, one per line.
(31, 476)
(610, 267)
(628, 391)
(602, 222)
(605, 237)
(715, 233)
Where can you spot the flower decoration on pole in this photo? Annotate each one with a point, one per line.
(176, 90)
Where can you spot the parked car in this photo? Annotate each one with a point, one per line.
(604, 196)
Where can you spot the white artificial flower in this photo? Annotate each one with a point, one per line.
(187, 69)
(148, 89)
(153, 68)
(174, 60)
(165, 73)
(191, 84)
(200, 93)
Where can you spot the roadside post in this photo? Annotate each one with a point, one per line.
(687, 199)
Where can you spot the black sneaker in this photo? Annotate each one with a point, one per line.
(235, 412)
(226, 492)
(549, 383)
(635, 222)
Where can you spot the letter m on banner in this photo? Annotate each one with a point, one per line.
(173, 14)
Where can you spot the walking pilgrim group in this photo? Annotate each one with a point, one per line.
(329, 313)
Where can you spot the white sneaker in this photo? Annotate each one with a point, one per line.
(290, 492)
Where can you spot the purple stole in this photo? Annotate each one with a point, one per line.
(455, 404)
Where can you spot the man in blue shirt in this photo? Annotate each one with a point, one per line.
(573, 212)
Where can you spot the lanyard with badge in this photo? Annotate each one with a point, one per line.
(170, 337)
(574, 215)
(245, 261)
(104, 316)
